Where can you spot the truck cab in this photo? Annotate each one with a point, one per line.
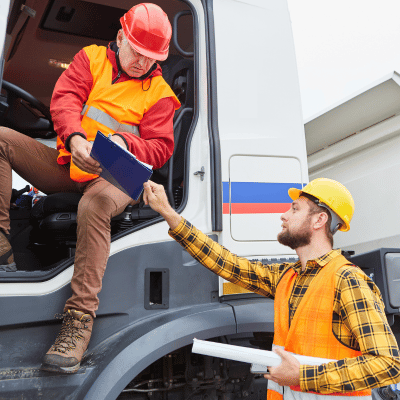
(239, 145)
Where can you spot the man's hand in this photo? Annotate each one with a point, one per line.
(287, 373)
(154, 195)
(80, 151)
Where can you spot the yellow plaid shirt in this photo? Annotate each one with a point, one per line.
(359, 321)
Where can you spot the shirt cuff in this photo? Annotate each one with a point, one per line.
(121, 136)
(309, 378)
(68, 139)
(181, 231)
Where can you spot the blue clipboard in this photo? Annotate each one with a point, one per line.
(119, 167)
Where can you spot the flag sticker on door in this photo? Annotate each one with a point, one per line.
(257, 197)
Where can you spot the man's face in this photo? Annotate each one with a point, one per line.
(133, 63)
(296, 225)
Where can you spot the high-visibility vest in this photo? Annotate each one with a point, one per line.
(310, 331)
(115, 107)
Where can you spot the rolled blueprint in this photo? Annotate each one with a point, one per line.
(260, 359)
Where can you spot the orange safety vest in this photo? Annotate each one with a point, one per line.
(310, 332)
(115, 107)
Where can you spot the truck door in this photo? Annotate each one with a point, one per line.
(260, 122)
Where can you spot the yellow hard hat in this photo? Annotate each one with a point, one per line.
(333, 194)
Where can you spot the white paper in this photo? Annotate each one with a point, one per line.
(249, 355)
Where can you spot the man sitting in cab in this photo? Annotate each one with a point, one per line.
(120, 91)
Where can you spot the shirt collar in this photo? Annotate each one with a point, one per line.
(318, 262)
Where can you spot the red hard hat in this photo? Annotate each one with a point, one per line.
(148, 30)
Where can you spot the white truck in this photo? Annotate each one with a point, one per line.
(239, 145)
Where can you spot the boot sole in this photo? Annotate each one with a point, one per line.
(57, 368)
(9, 267)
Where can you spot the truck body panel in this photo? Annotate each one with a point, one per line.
(261, 148)
(358, 144)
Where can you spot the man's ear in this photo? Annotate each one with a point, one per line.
(119, 38)
(320, 220)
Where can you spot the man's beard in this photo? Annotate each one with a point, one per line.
(295, 240)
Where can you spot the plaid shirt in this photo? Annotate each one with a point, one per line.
(359, 321)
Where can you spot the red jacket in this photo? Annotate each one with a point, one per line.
(156, 142)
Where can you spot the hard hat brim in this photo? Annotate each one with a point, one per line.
(158, 56)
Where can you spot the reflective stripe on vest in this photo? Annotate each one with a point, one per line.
(275, 391)
(108, 120)
(310, 332)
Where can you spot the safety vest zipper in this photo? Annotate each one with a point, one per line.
(117, 77)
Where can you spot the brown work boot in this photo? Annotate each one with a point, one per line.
(6, 254)
(66, 353)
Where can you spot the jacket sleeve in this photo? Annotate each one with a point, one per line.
(70, 93)
(156, 142)
(359, 305)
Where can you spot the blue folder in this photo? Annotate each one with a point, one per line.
(119, 167)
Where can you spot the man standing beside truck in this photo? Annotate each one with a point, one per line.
(118, 90)
(324, 305)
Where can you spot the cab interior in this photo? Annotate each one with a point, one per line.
(42, 38)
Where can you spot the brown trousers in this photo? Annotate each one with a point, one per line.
(37, 164)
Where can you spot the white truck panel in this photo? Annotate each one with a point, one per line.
(259, 114)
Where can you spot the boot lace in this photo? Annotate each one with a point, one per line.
(70, 333)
